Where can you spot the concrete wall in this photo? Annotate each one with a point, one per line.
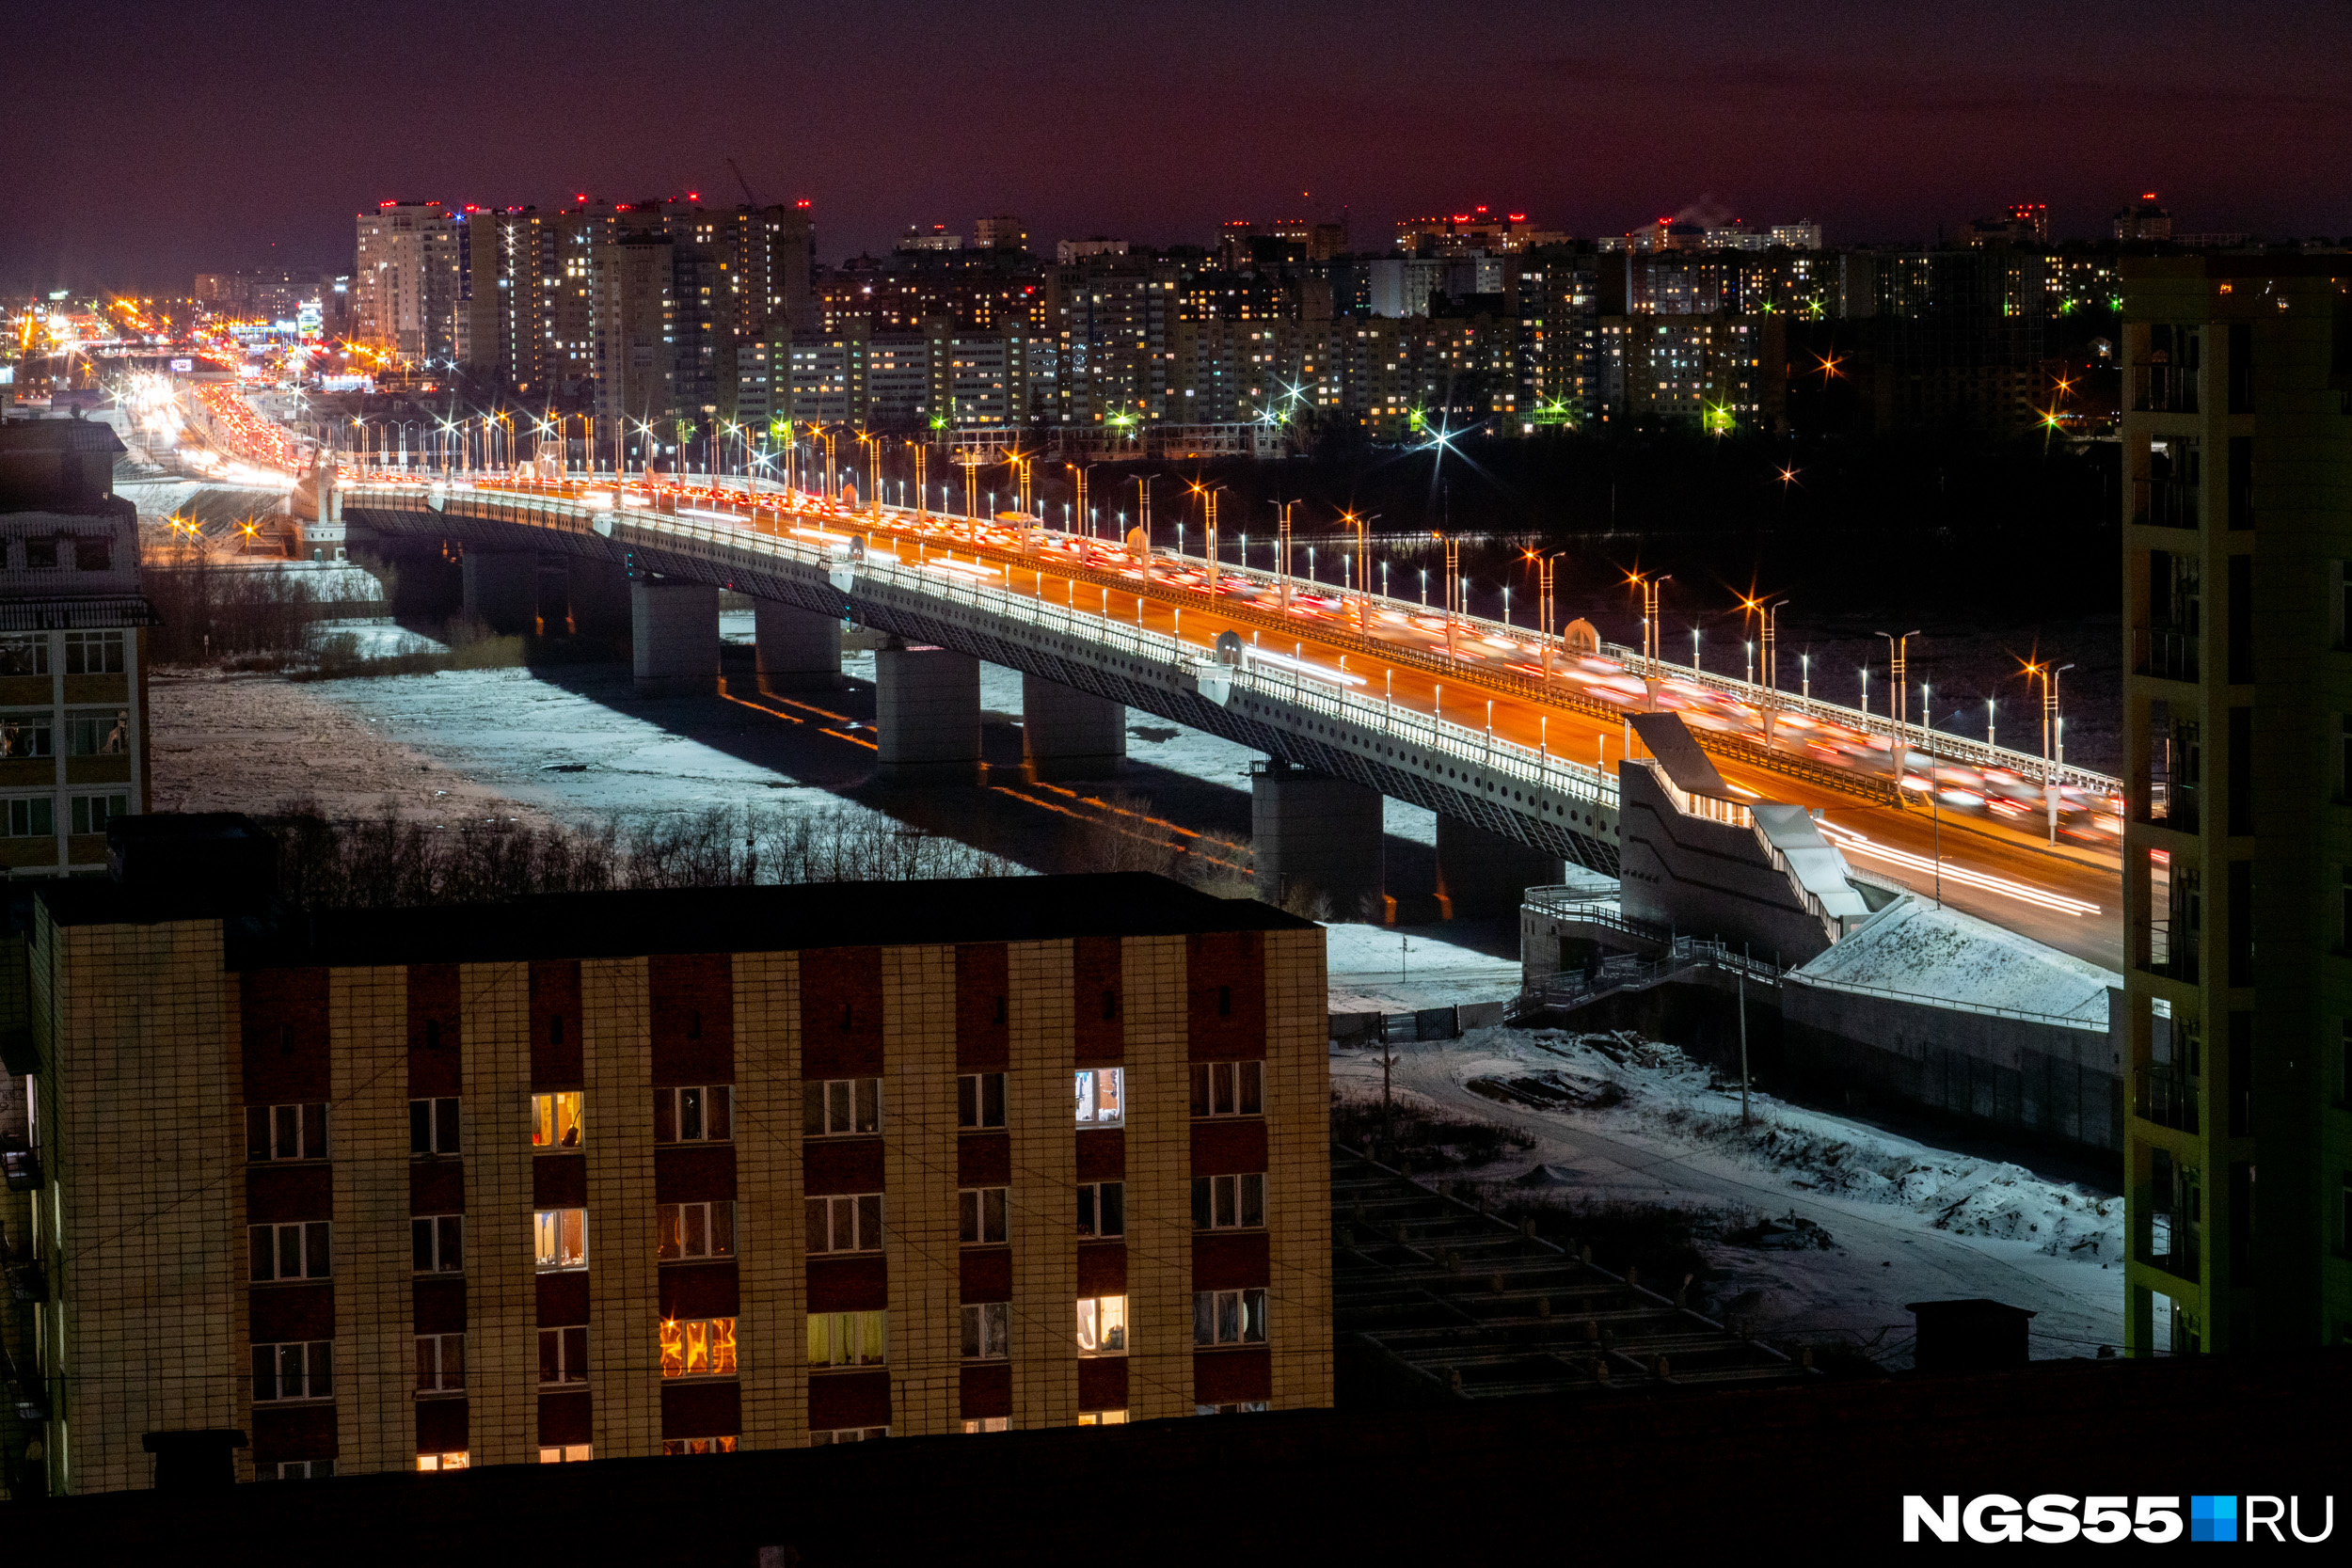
(1705, 878)
(1481, 873)
(1315, 833)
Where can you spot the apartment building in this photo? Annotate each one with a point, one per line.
(73, 730)
(408, 281)
(653, 1172)
(2237, 853)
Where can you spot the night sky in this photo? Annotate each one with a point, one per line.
(143, 142)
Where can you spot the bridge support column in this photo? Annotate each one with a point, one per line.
(799, 649)
(1480, 873)
(502, 588)
(926, 710)
(673, 629)
(1070, 734)
(1315, 835)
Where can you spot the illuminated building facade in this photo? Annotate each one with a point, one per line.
(408, 283)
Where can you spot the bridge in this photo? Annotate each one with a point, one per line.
(1352, 696)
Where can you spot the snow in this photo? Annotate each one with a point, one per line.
(1381, 969)
(1914, 948)
(1619, 1118)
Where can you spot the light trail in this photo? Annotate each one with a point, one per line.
(1851, 843)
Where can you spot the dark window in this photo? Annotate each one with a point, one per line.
(2241, 366)
(2241, 922)
(1228, 1088)
(92, 555)
(563, 1354)
(1224, 1001)
(298, 1251)
(40, 553)
(2241, 481)
(831, 1106)
(701, 1114)
(1103, 1208)
(286, 1132)
(433, 1126)
(2241, 619)
(293, 1371)
(437, 1244)
(981, 1099)
(2240, 1087)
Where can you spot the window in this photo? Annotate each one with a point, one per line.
(563, 1354)
(560, 1238)
(1103, 1326)
(25, 735)
(1224, 1202)
(433, 1126)
(92, 555)
(556, 1120)
(303, 1470)
(832, 1106)
(91, 813)
(441, 1363)
(1228, 1088)
(698, 1347)
(693, 1115)
(981, 1099)
(93, 653)
(847, 1339)
(692, 1444)
(286, 1132)
(33, 817)
(437, 1244)
(1245, 1407)
(980, 1215)
(457, 1459)
(1101, 1418)
(987, 1330)
(1102, 1096)
(987, 1423)
(42, 554)
(572, 1453)
(695, 1230)
(97, 734)
(1103, 1208)
(289, 1251)
(846, 1434)
(846, 1223)
(1228, 1317)
(23, 656)
(293, 1371)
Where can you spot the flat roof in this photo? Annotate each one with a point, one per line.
(634, 924)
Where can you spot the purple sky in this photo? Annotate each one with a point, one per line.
(154, 140)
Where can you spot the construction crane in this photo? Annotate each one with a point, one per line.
(748, 197)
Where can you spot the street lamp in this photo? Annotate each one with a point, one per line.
(2052, 736)
(1899, 702)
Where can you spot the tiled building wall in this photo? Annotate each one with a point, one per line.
(501, 1304)
(1298, 1169)
(1159, 1180)
(149, 1187)
(771, 1222)
(368, 1133)
(919, 1182)
(1040, 1004)
(625, 1304)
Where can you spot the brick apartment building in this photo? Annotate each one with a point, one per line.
(641, 1173)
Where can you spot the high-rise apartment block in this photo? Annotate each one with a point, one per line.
(408, 281)
(637, 1174)
(73, 730)
(2237, 858)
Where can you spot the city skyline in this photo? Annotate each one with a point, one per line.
(1880, 128)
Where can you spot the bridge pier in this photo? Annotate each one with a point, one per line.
(673, 629)
(799, 649)
(502, 588)
(1481, 873)
(927, 715)
(1317, 835)
(1070, 734)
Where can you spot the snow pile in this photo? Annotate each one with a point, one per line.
(1914, 948)
(1622, 1083)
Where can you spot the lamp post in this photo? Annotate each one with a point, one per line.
(1648, 588)
(1899, 702)
(1078, 475)
(1544, 582)
(2053, 736)
(1283, 550)
(1208, 494)
(1363, 584)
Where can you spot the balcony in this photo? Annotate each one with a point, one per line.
(2168, 653)
(2164, 389)
(2163, 1238)
(2166, 1096)
(2171, 806)
(2163, 503)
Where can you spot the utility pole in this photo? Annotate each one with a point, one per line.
(1744, 1044)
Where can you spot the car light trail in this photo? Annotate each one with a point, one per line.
(1851, 843)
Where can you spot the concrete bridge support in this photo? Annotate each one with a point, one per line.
(799, 649)
(926, 710)
(1069, 734)
(502, 588)
(673, 629)
(1481, 874)
(1317, 835)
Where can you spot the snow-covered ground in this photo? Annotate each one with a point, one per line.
(1615, 1118)
(1915, 947)
(381, 637)
(1379, 969)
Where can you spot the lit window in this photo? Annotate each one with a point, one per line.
(980, 1215)
(1103, 1326)
(981, 1099)
(833, 1107)
(987, 1330)
(1101, 1097)
(698, 1347)
(560, 1238)
(695, 1444)
(1228, 1317)
(1103, 1208)
(571, 1453)
(1101, 1418)
(987, 1423)
(847, 1338)
(1228, 1088)
(695, 1230)
(846, 1434)
(556, 1120)
(1226, 1202)
(1243, 1407)
(455, 1460)
(704, 1114)
(846, 1223)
